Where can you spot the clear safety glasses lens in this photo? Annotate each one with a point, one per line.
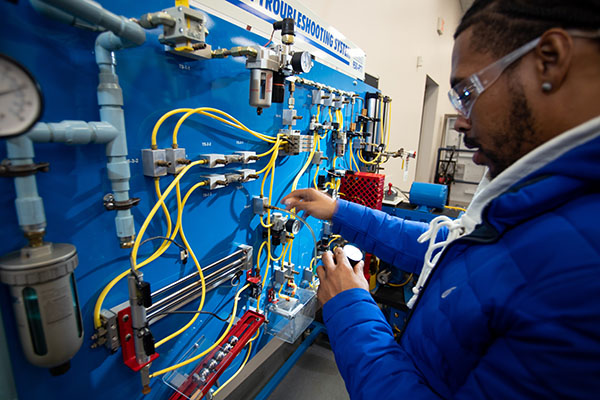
(463, 95)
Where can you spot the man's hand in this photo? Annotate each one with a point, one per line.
(313, 202)
(338, 276)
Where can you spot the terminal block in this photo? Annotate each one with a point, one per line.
(318, 158)
(296, 143)
(259, 205)
(154, 163)
(213, 160)
(214, 181)
(187, 37)
(339, 101)
(319, 96)
(176, 160)
(248, 175)
(289, 117)
(247, 157)
(107, 335)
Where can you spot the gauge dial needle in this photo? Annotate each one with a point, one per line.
(11, 90)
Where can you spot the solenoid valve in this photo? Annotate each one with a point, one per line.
(187, 35)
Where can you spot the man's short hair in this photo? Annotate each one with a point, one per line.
(501, 26)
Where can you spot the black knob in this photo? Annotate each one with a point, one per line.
(353, 254)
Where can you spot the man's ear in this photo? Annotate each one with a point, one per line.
(553, 54)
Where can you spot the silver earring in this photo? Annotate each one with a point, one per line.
(546, 87)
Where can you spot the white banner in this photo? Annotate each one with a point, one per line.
(322, 40)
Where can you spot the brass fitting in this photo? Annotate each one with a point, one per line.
(36, 239)
(127, 242)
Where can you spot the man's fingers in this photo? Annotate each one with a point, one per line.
(327, 259)
(340, 257)
(359, 268)
(296, 196)
(321, 273)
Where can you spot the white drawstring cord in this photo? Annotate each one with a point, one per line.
(456, 229)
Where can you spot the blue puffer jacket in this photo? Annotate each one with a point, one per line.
(511, 311)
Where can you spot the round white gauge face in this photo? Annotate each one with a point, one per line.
(306, 62)
(20, 98)
(292, 226)
(296, 227)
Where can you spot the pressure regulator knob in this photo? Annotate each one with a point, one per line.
(353, 253)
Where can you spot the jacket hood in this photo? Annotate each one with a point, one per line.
(552, 174)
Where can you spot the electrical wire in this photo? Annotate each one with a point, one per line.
(199, 356)
(403, 283)
(333, 239)
(456, 208)
(228, 381)
(155, 255)
(180, 207)
(182, 247)
(191, 312)
(236, 372)
(207, 112)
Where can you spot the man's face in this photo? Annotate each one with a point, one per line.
(501, 127)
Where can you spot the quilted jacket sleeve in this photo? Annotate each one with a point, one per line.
(369, 359)
(392, 239)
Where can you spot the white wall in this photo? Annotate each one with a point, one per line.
(394, 33)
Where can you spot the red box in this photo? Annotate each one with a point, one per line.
(363, 188)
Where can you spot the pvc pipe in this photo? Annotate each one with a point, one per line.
(29, 205)
(110, 100)
(61, 16)
(94, 13)
(73, 132)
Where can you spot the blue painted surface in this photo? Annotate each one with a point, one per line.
(153, 82)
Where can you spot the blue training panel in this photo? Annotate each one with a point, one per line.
(154, 82)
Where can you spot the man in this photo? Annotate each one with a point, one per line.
(511, 306)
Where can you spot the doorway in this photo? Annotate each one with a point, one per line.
(427, 144)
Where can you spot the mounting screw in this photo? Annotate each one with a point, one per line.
(128, 337)
(180, 30)
(125, 317)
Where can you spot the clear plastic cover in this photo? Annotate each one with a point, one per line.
(289, 318)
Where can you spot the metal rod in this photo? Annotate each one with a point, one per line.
(191, 286)
(189, 297)
(194, 274)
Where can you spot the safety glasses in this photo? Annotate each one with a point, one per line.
(464, 93)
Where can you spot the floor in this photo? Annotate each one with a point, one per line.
(315, 376)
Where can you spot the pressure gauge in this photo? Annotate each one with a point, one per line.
(292, 226)
(302, 62)
(20, 98)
